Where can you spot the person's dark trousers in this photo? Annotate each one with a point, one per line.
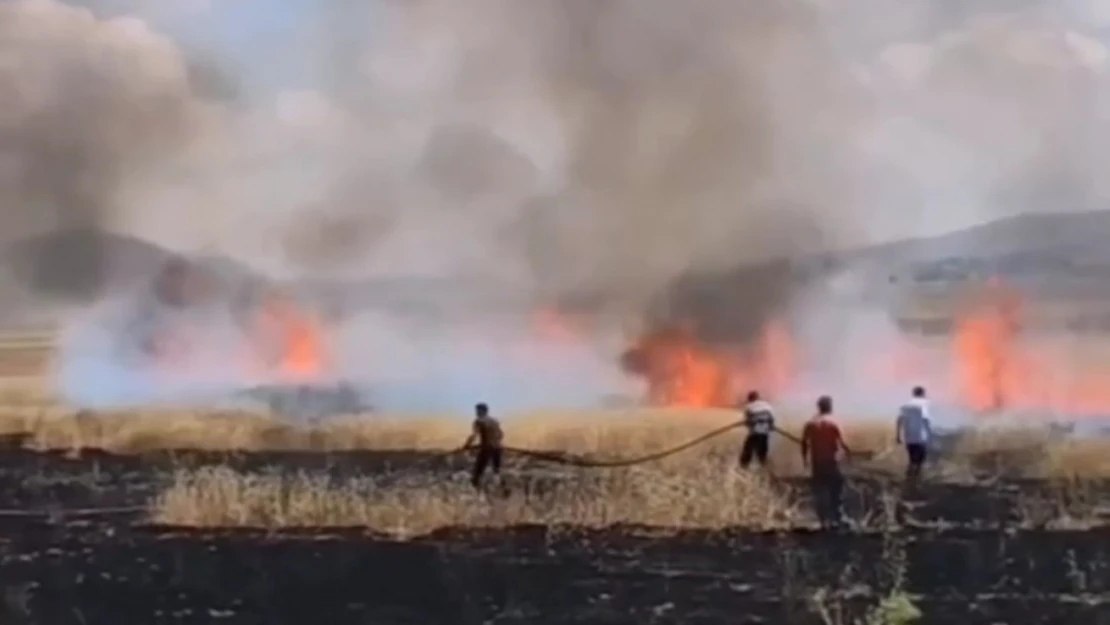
(827, 484)
(755, 447)
(916, 453)
(487, 457)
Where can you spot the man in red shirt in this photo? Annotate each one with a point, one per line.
(821, 446)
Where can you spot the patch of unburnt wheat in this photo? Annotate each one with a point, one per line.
(605, 433)
(704, 495)
(1030, 452)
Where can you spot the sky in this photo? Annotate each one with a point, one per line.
(258, 34)
(262, 40)
(269, 40)
(951, 102)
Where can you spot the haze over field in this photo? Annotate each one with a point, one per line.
(612, 160)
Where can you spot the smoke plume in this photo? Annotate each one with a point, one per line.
(582, 152)
(619, 158)
(86, 104)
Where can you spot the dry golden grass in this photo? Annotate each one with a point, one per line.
(702, 494)
(698, 488)
(608, 434)
(701, 487)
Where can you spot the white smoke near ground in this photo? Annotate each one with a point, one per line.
(582, 155)
(449, 367)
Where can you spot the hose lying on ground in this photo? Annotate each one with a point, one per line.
(580, 461)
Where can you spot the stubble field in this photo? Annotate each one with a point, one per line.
(165, 517)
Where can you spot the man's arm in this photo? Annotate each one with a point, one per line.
(473, 436)
(807, 431)
(898, 423)
(843, 444)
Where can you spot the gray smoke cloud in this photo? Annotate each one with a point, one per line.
(86, 104)
(624, 157)
(586, 152)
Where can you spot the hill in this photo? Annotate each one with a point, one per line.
(1061, 245)
(43, 276)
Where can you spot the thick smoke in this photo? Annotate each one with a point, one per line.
(579, 152)
(86, 104)
(621, 158)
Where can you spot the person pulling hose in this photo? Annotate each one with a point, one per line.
(759, 418)
(486, 431)
(821, 446)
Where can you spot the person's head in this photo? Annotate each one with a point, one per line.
(753, 396)
(919, 392)
(824, 405)
(481, 410)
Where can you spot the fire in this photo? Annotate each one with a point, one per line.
(1000, 368)
(988, 362)
(993, 364)
(182, 325)
(681, 371)
(297, 337)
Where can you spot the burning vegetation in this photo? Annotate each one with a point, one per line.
(992, 360)
(989, 362)
(680, 370)
(1003, 361)
(281, 340)
(291, 340)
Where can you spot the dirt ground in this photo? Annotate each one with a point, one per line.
(1021, 552)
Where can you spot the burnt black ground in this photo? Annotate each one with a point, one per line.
(961, 551)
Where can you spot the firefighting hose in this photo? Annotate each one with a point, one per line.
(568, 459)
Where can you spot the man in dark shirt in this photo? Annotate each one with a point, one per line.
(821, 446)
(759, 418)
(487, 432)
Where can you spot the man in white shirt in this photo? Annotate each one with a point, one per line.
(760, 421)
(914, 431)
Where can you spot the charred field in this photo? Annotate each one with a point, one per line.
(86, 539)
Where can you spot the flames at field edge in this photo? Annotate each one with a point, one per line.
(992, 365)
(994, 369)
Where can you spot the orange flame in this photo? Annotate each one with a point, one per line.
(995, 366)
(999, 368)
(984, 346)
(301, 352)
(681, 371)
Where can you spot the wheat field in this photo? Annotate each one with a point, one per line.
(701, 487)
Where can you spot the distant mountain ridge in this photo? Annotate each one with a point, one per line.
(1050, 246)
(1060, 243)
